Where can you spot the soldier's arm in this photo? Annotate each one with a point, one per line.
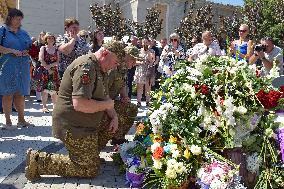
(91, 106)
(83, 79)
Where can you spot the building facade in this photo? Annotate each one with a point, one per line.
(49, 15)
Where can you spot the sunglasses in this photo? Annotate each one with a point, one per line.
(85, 36)
(174, 40)
(242, 31)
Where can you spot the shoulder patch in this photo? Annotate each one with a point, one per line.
(85, 79)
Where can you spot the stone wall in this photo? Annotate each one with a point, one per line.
(50, 15)
(172, 11)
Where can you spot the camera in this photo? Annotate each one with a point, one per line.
(260, 47)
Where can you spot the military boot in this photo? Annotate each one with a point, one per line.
(31, 170)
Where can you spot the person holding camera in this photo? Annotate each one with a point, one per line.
(242, 48)
(268, 54)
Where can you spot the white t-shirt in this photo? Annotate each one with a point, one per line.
(201, 49)
(275, 55)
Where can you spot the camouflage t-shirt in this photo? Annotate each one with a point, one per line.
(81, 48)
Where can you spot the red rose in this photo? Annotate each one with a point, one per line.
(222, 99)
(263, 98)
(204, 89)
(273, 97)
(257, 72)
(270, 99)
(158, 153)
(196, 86)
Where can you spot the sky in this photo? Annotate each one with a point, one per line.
(231, 2)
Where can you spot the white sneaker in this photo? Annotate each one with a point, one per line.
(8, 127)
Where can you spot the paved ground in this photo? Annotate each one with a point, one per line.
(14, 143)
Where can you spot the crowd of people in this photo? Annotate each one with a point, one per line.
(91, 82)
(50, 56)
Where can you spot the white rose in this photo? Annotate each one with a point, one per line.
(180, 168)
(196, 150)
(175, 154)
(157, 164)
(171, 163)
(171, 173)
(242, 110)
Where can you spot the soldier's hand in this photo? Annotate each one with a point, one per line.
(113, 126)
(109, 104)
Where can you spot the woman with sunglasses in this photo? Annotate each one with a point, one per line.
(242, 49)
(170, 54)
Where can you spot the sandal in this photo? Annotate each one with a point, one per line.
(25, 124)
(45, 110)
(8, 127)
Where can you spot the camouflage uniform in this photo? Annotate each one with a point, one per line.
(127, 111)
(80, 132)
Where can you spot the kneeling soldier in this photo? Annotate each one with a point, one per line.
(83, 111)
(117, 87)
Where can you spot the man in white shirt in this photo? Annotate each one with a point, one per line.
(207, 47)
(269, 54)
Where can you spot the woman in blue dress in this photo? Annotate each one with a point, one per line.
(242, 49)
(14, 67)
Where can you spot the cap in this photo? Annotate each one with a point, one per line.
(133, 51)
(117, 48)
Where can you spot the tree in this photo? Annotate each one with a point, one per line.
(195, 22)
(265, 18)
(110, 20)
(151, 27)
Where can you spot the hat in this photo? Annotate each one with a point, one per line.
(133, 51)
(117, 48)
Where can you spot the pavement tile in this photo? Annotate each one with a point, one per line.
(13, 145)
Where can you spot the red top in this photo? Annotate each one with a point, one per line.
(34, 51)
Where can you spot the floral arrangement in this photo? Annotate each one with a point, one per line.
(218, 175)
(215, 107)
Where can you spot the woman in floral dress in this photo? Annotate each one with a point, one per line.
(143, 71)
(48, 82)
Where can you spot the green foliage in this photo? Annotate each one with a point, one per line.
(265, 17)
(111, 21)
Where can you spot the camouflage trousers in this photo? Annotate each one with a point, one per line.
(126, 117)
(83, 159)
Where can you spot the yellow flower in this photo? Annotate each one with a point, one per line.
(158, 138)
(172, 139)
(186, 154)
(140, 128)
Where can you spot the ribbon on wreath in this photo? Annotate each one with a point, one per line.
(134, 180)
(281, 141)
